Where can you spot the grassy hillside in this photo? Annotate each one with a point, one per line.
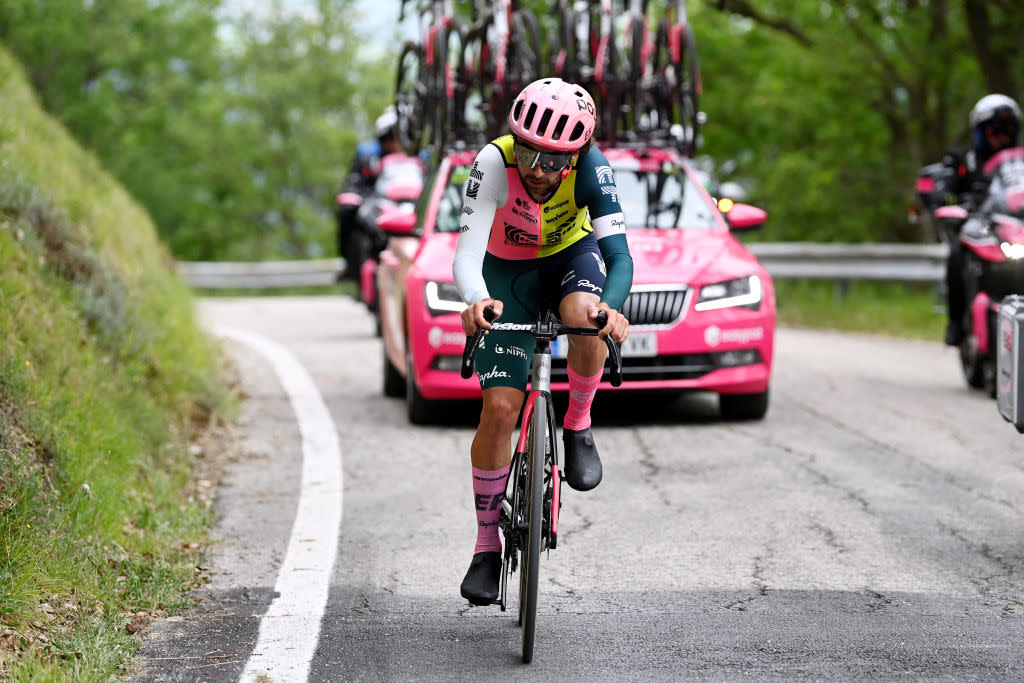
(104, 380)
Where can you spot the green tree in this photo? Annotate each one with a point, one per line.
(859, 94)
(233, 131)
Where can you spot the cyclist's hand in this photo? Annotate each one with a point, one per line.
(473, 316)
(617, 326)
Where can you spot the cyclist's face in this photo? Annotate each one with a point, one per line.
(540, 184)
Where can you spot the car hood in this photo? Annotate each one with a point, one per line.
(688, 256)
(659, 256)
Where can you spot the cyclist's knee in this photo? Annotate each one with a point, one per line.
(501, 409)
(573, 308)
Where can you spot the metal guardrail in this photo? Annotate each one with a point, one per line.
(792, 260)
(260, 274)
(821, 261)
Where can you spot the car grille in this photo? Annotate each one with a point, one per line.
(675, 366)
(655, 305)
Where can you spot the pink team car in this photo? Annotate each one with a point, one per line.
(701, 309)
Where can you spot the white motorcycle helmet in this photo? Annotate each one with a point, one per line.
(998, 114)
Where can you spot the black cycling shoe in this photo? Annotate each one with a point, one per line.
(582, 463)
(954, 335)
(480, 586)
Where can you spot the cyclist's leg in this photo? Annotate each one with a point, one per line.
(503, 359)
(580, 273)
(503, 362)
(581, 277)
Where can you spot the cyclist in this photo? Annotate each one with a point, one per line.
(526, 244)
(995, 125)
(360, 181)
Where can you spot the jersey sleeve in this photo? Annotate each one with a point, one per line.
(596, 190)
(485, 190)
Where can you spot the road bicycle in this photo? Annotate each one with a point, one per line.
(583, 50)
(426, 77)
(501, 55)
(529, 513)
(639, 46)
(678, 85)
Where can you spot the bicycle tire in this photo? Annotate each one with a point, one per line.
(409, 101)
(530, 566)
(470, 99)
(454, 91)
(524, 55)
(562, 48)
(679, 80)
(436, 119)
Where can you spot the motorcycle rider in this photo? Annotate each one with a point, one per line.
(360, 180)
(995, 125)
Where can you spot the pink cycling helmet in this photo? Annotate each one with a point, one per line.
(554, 114)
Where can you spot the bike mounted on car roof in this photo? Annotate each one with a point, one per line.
(456, 80)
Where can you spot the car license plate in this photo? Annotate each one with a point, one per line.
(640, 344)
(637, 345)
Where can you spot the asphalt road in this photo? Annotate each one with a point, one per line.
(868, 529)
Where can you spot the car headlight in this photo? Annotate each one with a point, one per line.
(743, 291)
(442, 297)
(1012, 251)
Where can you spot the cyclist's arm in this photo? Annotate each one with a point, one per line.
(597, 191)
(486, 189)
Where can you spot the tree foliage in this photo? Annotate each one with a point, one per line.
(234, 131)
(837, 104)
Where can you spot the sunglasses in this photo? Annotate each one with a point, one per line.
(548, 161)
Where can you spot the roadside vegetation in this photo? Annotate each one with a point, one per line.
(912, 311)
(106, 390)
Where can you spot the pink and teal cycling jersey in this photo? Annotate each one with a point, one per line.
(500, 218)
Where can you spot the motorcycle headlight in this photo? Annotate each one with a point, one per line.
(1012, 251)
(743, 291)
(442, 297)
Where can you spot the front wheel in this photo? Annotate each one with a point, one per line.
(417, 407)
(743, 406)
(530, 576)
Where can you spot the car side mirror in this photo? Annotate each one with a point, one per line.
(741, 216)
(396, 221)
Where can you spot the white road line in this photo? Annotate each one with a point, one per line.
(290, 629)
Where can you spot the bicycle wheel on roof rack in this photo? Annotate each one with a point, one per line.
(562, 59)
(452, 102)
(523, 56)
(469, 100)
(642, 115)
(409, 98)
(676, 67)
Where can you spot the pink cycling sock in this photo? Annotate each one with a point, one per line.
(581, 397)
(488, 491)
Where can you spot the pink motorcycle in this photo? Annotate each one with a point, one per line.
(992, 238)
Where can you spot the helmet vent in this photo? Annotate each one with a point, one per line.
(517, 114)
(545, 119)
(577, 132)
(560, 127)
(530, 113)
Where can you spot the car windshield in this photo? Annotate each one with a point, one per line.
(667, 199)
(399, 173)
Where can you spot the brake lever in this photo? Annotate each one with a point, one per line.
(473, 343)
(614, 354)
